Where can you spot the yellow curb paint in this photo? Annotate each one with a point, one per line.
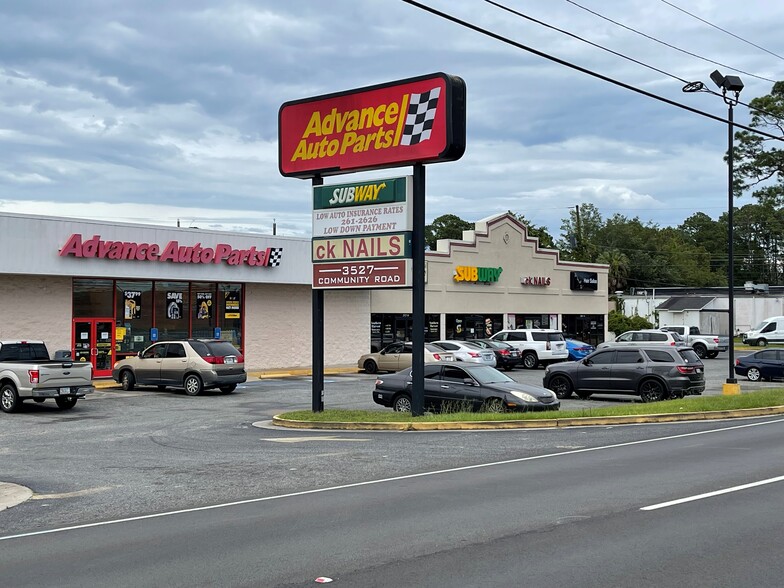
(728, 389)
(530, 424)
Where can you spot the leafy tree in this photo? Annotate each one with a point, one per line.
(545, 239)
(579, 233)
(446, 226)
(618, 323)
(759, 161)
(619, 268)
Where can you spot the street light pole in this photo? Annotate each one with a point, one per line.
(730, 92)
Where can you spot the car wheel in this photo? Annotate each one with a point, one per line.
(753, 374)
(583, 395)
(701, 350)
(652, 391)
(562, 386)
(228, 389)
(370, 366)
(762, 343)
(9, 399)
(127, 380)
(530, 361)
(193, 385)
(493, 405)
(713, 354)
(402, 403)
(65, 403)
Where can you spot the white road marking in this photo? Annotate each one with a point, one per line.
(383, 481)
(714, 493)
(306, 439)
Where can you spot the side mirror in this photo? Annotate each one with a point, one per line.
(586, 361)
(468, 382)
(138, 354)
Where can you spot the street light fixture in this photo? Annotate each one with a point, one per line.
(730, 91)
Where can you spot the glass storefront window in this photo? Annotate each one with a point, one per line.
(203, 310)
(172, 302)
(92, 298)
(133, 316)
(231, 309)
(472, 326)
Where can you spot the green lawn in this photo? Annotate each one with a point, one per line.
(762, 398)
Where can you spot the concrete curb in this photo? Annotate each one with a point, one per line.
(531, 424)
(13, 494)
(261, 375)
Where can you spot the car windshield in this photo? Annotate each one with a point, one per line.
(488, 375)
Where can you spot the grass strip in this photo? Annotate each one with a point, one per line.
(758, 399)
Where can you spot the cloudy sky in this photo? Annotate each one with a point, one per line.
(150, 111)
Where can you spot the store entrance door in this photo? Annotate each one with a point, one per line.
(403, 328)
(93, 341)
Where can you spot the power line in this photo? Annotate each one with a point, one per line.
(628, 28)
(586, 71)
(722, 30)
(579, 38)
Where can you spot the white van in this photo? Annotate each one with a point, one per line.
(771, 330)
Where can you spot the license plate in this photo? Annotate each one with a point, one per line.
(230, 359)
(65, 390)
(488, 356)
(514, 353)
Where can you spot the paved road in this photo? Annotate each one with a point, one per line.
(119, 455)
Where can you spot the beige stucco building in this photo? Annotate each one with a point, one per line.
(497, 277)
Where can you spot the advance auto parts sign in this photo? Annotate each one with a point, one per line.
(399, 123)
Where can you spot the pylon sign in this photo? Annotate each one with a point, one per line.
(362, 234)
(417, 120)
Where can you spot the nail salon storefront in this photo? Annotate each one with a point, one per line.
(104, 291)
(497, 278)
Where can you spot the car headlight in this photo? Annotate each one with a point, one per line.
(523, 396)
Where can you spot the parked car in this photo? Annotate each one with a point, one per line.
(704, 345)
(397, 356)
(448, 385)
(467, 351)
(506, 356)
(767, 364)
(27, 373)
(193, 364)
(578, 349)
(651, 372)
(537, 346)
(643, 337)
(771, 330)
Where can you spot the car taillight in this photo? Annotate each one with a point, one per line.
(716, 340)
(435, 356)
(474, 354)
(672, 342)
(34, 376)
(240, 358)
(686, 369)
(214, 360)
(503, 351)
(737, 362)
(379, 382)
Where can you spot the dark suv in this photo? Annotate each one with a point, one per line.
(650, 372)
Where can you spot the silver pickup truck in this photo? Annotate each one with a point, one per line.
(27, 373)
(704, 345)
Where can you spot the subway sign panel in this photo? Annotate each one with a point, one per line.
(469, 273)
(416, 120)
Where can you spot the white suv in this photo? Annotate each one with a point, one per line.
(644, 337)
(537, 346)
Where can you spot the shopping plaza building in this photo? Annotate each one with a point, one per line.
(105, 291)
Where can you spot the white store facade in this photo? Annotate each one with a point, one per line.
(107, 290)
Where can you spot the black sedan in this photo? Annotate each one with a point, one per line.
(453, 388)
(766, 365)
(506, 356)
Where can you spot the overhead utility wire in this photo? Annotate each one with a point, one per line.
(703, 87)
(572, 2)
(579, 38)
(589, 72)
(722, 30)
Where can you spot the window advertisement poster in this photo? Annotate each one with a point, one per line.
(133, 304)
(232, 300)
(174, 305)
(203, 305)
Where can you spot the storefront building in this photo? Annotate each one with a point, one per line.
(107, 290)
(497, 278)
